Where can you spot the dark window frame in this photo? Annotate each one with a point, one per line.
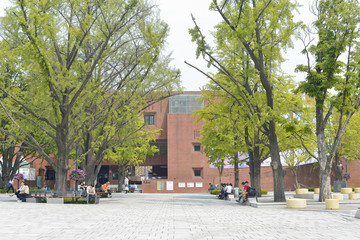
(197, 148)
(198, 172)
(149, 119)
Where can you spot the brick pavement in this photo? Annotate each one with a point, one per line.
(174, 216)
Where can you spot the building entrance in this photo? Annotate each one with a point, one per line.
(103, 175)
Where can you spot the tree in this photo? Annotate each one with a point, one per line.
(261, 29)
(230, 137)
(67, 47)
(15, 151)
(333, 83)
(219, 132)
(348, 148)
(134, 147)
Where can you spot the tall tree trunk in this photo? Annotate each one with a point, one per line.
(278, 172)
(62, 164)
(294, 170)
(325, 185)
(121, 173)
(236, 170)
(325, 169)
(256, 181)
(61, 172)
(254, 162)
(220, 174)
(90, 176)
(251, 165)
(89, 167)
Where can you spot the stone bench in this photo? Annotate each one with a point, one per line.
(296, 203)
(357, 190)
(305, 196)
(55, 200)
(301, 191)
(331, 204)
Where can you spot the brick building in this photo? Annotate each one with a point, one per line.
(186, 164)
(181, 165)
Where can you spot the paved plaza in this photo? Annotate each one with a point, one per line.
(176, 216)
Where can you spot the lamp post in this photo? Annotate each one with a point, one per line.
(346, 157)
(76, 166)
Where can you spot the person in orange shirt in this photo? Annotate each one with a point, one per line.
(106, 189)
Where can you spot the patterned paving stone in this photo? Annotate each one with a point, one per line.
(174, 216)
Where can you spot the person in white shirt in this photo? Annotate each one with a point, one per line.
(126, 183)
(90, 190)
(228, 190)
(23, 191)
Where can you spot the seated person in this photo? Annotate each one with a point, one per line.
(83, 189)
(228, 190)
(244, 192)
(211, 187)
(23, 191)
(105, 188)
(222, 191)
(90, 193)
(46, 188)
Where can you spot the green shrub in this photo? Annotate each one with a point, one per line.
(310, 189)
(215, 191)
(2, 190)
(264, 192)
(71, 200)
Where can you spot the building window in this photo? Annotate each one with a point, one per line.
(197, 148)
(185, 103)
(197, 172)
(115, 175)
(149, 119)
(161, 146)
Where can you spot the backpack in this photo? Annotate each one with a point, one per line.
(252, 192)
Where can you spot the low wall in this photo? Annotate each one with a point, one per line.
(308, 176)
(176, 186)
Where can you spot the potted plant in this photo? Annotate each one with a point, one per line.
(346, 176)
(77, 175)
(18, 176)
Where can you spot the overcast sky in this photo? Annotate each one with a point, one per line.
(177, 14)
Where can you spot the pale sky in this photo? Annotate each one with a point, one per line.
(177, 14)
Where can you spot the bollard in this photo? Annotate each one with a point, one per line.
(296, 203)
(337, 196)
(331, 204)
(346, 190)
(352, 196)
